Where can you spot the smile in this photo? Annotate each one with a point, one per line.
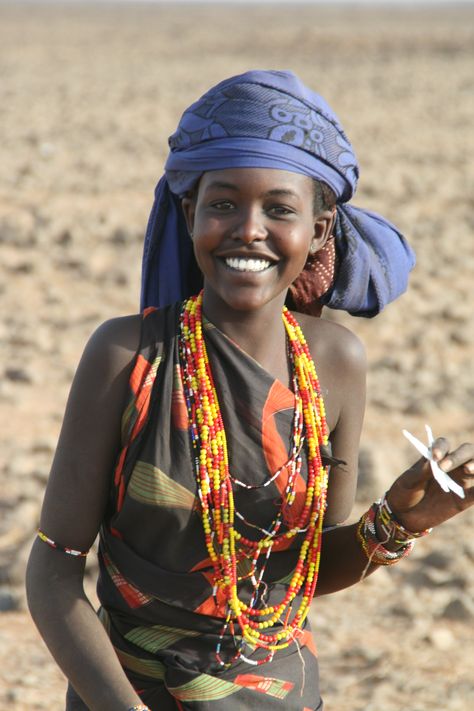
(247, 265)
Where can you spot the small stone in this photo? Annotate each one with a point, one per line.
(43, 446)
(13, 695)
(18, 231)
(437, 559)
(401, 611)
(442, 638)
(446, 578)
(459, 608)
(18, 375)
(119, 277)
(22, 267)
(64, 238)
(8, 602)
(364, 656)
(120, 236)
(73, 264)
(418, 579)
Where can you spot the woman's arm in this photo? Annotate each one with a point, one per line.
(415, 498)
(342, 367)
(417, 502)
(343, 562)
(73, 509)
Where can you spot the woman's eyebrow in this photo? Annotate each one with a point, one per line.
(282, 192)
(219, 184)
(222, 185)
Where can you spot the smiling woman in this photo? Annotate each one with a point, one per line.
(213, 438)
(270, 120)
(253, 229)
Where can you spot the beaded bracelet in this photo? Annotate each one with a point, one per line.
(394, 530)
(373, 548)
(63, 549)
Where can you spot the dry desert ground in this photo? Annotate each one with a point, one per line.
(88, 96)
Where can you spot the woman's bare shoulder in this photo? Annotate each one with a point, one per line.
(117, 338)
(116, 341)
(333, 343)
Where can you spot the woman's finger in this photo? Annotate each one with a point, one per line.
(461, 456)
(440, 448)
(469, 468)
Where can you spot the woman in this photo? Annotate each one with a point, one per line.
(198, 437)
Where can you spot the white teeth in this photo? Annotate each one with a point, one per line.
(247, 265)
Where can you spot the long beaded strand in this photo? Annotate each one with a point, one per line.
(225, 545)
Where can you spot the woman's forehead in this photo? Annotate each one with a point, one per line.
(263, 179)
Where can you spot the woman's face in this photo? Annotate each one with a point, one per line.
(252, 229)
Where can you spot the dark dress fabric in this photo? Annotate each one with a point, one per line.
(155, 584)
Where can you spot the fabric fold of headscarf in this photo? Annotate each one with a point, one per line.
(269, 119)
(373, 262)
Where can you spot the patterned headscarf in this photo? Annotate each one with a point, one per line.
(269, 119)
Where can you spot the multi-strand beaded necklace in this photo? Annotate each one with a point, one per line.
(226, 546)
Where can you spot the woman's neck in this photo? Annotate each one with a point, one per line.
(259, 332)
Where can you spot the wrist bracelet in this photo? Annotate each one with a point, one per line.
(393, 530)
(138, 707)
(373, 548)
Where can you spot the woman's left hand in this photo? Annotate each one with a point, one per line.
(417, 500)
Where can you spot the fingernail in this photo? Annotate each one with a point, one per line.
(437, 454)
(446, 464)
(469, 467)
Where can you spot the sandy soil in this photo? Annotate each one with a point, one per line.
(88, 97)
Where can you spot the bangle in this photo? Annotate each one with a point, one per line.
(138, 707)
(373, 548)
(393, 529)
(63, 549)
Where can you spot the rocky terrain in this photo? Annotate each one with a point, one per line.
(88, 96)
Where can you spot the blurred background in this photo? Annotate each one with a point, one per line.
(88, 96)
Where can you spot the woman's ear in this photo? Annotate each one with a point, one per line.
(188, 205)
(323, 227)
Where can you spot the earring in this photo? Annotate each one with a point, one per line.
(313, 248)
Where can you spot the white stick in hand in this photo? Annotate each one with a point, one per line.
(443, 479)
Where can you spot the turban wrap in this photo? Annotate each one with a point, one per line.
(269, 119)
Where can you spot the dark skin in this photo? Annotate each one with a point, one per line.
(268, 216)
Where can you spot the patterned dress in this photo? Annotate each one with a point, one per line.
(155, 584)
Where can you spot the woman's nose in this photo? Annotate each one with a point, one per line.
(250, 226)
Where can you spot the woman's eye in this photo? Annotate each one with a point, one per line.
(222, 205)
(281, 210)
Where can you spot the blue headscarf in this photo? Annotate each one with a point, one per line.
(269, 119)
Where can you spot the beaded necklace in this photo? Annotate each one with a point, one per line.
(226, 546)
